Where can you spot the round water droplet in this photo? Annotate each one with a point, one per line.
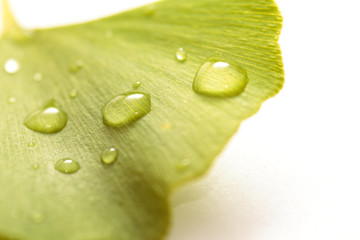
(181, 55)
(220, 79)
(126, 108)
(136, 85)
(74, 68)
(11, 100)
(31, 144)
(37, 216)
(149, 10)
(109, 34)
(11, 66)
(35, 166)
(109, 155)
(37, 77)
(67, 165)
(74, 93)
(183, 164)
(166, 126)
(48, 119)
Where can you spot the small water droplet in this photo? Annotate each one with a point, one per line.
(37, 77)
(73, 94)
(11, 66)
(109, 155)
(47, 119)
(11, 100)
(126, 108)
(35, 166)
(136, 85)
(183, 164)
(109, 34)
(29, 33)
(149, 10)
(31, 144)
(37, 216)
(166, 126)
(74, 68)
(181, 55)
(67, 165)
(220, 79)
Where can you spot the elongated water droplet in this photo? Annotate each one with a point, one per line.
(220, 79)
(31, 144)
(11, 66)
(136, 85)
(109, 155)
(11, 100)
(181, 55)
(67, 165)
(48, 119)
(73, 94)
(74, 68)
(126, 108)
(37, 77)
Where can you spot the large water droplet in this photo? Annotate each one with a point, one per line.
(181, 55)
(109, 155)
(67, 165)
(48, 119)
(31, 144)
(126, 108)
(220, 79)
(11, 66)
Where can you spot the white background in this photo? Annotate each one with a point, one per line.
(292, 171)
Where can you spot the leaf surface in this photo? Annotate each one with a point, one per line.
(82, 67)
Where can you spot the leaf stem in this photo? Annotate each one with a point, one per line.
(11, 28)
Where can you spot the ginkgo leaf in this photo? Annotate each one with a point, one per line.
(139, 66)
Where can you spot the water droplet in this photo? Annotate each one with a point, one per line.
(136, 85)
(35, 166)
(109, 155)
(181, 55)
(220, 79)
(29, 33)
(11, 100)
(31, 144)
(47, 119)
(73, 94)
(166, 126)
(149, 10)
(109, 34)
(37, 77)
(126, 108)
(11, 66)
(183, 164)
(76, 66)
(37, 217)
(67, 165)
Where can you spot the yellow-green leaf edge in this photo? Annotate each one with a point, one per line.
(244, 31)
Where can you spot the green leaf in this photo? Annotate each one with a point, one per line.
(83, 67)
